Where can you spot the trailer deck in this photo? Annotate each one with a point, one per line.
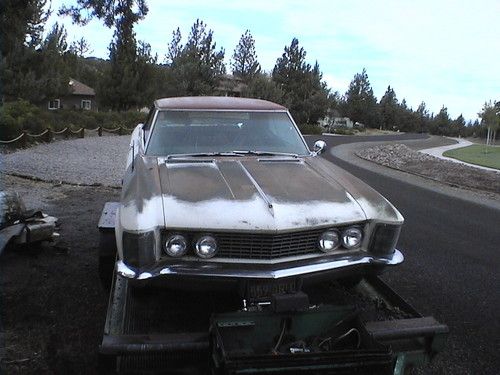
(154, 330)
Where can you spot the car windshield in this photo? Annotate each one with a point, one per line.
(214, 132)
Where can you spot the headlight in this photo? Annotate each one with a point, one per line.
(206, 247)
(176, 245)
(329, 241)
(351, 237)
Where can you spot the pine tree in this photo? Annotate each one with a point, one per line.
(244, 62)
(441, 123)
(119, 88)
(389, 109)
(360, 103)
(53, 63)
(423, 118)
(80, 47)
(21, 32)
(175, 47)
(109, 11)
(305, 93)
(196, 67)
(263, 87)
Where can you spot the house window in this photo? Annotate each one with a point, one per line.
(86, 104)
(55, 104)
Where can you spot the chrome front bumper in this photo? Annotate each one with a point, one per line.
(256, 271)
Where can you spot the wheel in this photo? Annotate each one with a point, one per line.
(107, 258)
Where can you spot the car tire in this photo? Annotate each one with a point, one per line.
(107, 258)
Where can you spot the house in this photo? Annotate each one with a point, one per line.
(230, 85)
(80, 96)
(333, 120)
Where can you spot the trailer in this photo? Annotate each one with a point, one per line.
(330, 328)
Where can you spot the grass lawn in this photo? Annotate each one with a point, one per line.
(477, 154)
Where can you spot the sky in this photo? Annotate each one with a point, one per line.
(439, 51)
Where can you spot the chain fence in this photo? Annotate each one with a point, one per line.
(48, 135)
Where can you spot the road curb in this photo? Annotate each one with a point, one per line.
(344, 152)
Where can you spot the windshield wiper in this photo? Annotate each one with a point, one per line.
(203, 154)
(264, 153)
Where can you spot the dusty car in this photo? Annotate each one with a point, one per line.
(226, 190)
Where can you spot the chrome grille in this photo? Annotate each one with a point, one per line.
(267, 246)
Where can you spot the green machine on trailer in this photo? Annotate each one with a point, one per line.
(329, 329)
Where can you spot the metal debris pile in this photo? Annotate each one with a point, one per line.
(19, 226)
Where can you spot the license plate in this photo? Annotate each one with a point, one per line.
(264, 289)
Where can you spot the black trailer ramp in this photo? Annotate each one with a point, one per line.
(152, 330)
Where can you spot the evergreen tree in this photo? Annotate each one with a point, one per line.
(317, 102)
(53, 66)
(408, 119)
(119, 89)
(360, 103)
(147, 70)
(441, 123)
(80, 47)
(21, 33)
(175, 47)
(22, 24)
(122, 86)
(196, 67)
(305, 94)
(389, 110)
(422, 118)
(111, 12)
(244, 62)
(458, 127)
(263, 87)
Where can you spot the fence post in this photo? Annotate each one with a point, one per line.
(120, 131)
(66, 132)
(82, 133)
(48, 136)
(22, 141)
(99, 131)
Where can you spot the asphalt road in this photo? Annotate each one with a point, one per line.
(451, 268)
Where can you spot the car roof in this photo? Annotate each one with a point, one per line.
(217, 103)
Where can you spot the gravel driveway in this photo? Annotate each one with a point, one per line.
(85, 161)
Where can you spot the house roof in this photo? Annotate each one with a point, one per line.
(217, 103)
(78, 88)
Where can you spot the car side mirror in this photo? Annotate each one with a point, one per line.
(319, 146)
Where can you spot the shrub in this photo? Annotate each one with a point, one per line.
(19, 116)
(310, 129)
(344, 131)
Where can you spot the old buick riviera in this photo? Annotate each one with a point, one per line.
(226, 190)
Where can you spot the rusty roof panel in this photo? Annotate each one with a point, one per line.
(217, 103)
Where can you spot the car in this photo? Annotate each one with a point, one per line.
(222, 191)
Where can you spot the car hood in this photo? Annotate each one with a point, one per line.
(267, 194)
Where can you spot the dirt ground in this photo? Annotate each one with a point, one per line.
(53, 305)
